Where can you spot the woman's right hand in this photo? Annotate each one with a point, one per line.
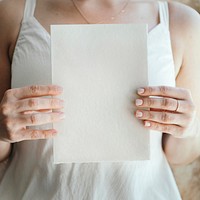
(21, 107)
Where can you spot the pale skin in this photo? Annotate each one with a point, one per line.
(23, 107)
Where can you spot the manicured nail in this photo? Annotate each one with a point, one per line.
(54, 132)
(139, 102)
(147, 124)
(62, 116)
(140, 90)
(139, 114)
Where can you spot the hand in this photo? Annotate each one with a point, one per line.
(21, 107)
(174, 113)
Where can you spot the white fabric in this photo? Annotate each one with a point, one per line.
(31, 173)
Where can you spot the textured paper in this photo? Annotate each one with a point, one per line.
(100, 66)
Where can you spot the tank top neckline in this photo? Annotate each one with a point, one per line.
(37, 23)
(30, 16)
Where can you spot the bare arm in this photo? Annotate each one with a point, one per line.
(177, 113)
(184, 150)
(21, 107)
(5, 69)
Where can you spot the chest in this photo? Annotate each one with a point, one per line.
(64, 12)
(34, 42)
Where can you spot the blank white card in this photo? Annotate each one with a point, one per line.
(100, 66)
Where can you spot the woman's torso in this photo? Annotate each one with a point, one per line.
(63, 12)
(31, 173)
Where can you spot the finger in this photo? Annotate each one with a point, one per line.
(35, 91)
(38, 111)
(163, 117)
(169, 104)
(41, 118)
(38, 104)
(165, 91)
(174, 130)
(30, 134)
(157, 103)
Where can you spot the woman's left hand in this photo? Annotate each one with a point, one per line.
(174, 113)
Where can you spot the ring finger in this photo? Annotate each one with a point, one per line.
(162, 117)
(169, 104)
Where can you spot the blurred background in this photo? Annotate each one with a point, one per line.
(188, 177)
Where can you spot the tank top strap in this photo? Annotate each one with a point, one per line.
(164, 13)
(29, 9)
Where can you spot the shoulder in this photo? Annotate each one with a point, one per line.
(184, 21)
(11, 13)
(7, 6)
(184, 31)
(11, 10)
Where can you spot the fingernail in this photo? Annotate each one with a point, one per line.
(62, 116)
(147, 124)
(139, 102)
(54, 131)
(139, 114)
(140, 90)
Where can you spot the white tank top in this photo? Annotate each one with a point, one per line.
(31, 174)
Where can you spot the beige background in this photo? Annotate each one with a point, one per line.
(188, 177)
